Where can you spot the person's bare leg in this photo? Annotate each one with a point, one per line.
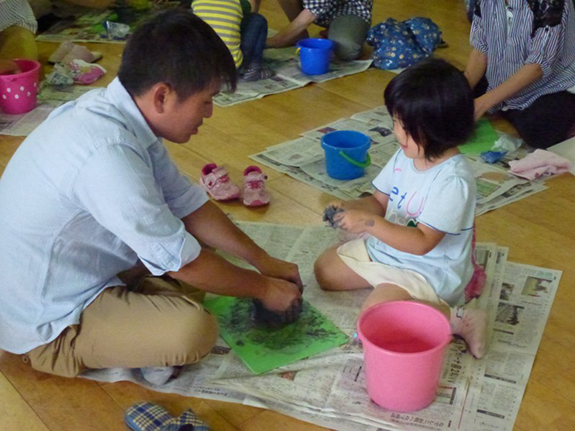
(385, 293)
(333, 274)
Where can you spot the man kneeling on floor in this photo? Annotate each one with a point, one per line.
(92, 192)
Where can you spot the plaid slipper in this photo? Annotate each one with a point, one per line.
(145, 416)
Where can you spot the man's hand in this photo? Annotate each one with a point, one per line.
(354, 221)
(280, 295)
(277, 268)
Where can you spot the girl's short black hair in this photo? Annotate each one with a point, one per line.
(434, 103)
(178, 48)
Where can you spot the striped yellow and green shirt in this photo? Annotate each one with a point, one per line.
(225, 17)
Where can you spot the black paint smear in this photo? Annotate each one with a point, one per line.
(329, 213)
(244, 330)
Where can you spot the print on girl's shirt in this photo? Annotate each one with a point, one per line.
(404, 210)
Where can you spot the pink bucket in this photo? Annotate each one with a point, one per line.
(19, 91)
(403, 345)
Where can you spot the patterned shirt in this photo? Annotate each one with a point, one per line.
(17, 13)
(225, 17)
(526, 32)
(327, 10)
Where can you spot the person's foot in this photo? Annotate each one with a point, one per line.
(471, 325)
(158, 376)
(250, 75)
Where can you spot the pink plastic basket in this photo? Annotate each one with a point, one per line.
(403, 347)
(19, 91)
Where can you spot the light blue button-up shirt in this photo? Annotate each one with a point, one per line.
(87, 194)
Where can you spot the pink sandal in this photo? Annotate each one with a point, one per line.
(216, 181)
(254, 192)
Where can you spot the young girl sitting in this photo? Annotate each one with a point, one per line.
(419, 222)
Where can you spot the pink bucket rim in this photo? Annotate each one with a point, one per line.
(25, 74)
(372, 310)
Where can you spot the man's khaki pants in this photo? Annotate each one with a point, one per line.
(158, 322)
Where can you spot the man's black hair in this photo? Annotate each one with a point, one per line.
(177, 48)
(435, 105)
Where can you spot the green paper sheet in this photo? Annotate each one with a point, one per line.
(263, 349)
(482, 139)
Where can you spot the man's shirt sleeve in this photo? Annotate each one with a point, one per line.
(118, 188)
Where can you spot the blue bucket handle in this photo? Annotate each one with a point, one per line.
(355, 162)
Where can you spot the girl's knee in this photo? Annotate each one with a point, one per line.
(323, 270)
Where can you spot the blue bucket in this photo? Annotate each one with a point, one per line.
(346, 155)
(315, 55)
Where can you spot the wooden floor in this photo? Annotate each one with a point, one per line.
(539, 231)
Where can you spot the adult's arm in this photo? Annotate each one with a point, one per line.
(476, 67)
(278, 285)
(521, 79)
(214, 274)
(293, 32)
(210, 225)
(125, 202)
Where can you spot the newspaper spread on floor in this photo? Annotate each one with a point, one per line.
(303, 159)
(49, 99)
(89, 25)
(288, 76)
(329, 389)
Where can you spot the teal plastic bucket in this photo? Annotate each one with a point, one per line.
(315, 55)
(346, 155)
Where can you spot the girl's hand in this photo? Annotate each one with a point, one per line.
(337, 204)
(355, 221)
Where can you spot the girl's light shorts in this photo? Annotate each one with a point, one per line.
(354, 254)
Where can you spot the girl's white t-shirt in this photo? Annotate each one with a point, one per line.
(442, 198)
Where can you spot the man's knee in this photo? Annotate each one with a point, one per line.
(194, 334)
